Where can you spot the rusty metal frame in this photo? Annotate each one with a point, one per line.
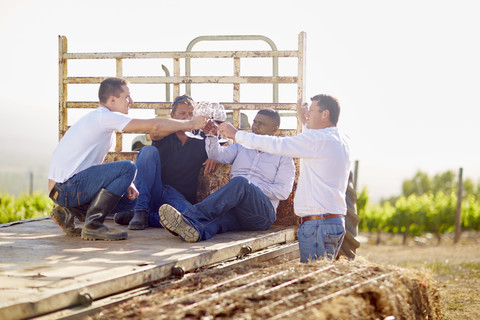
(177, 79)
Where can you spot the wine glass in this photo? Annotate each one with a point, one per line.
(201, 109)
(219, 115)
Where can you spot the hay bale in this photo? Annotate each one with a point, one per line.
(318, 290)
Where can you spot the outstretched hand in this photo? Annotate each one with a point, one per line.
(210, 128)
(198, 122)
(227, 130)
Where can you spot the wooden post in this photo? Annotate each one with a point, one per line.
(458, 226)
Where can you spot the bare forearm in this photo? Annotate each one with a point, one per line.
(160, 127)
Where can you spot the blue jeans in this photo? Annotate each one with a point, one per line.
(237, 206)
(320, 238)
(80, 189)
(153, 193)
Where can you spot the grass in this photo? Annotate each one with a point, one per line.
(25, 206)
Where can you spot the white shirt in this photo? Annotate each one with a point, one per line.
(324, 167)
(272, 174)
(86, 143)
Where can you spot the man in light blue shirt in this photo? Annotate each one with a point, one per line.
(322, 182)
(248, 202)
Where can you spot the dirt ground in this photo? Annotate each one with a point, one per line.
(456, 267)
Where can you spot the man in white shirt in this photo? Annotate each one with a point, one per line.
(324, 169)
(77, 175)
(248, 202)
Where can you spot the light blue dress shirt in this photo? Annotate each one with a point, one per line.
(272, 174)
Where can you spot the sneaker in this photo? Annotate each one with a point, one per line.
(172, 220)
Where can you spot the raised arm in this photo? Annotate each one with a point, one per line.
(301, 110)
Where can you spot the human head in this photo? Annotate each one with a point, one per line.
(111, 87)
(184, 99)
(115, 94)
(266, 122)
(323, 112)
(182, 108)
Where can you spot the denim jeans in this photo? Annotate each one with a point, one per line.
(237, 206)
(320, 238)
(82, 188)
(153, 193)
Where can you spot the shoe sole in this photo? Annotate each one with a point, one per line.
(136, 227)
(55, 218)
(173, 222)
(92, 237)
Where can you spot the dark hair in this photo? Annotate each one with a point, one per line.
(111, 87)
(182, 100)
(326, 102)
(272, 114)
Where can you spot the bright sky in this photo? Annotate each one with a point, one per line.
(407, 73)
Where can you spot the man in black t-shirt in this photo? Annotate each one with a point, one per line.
(167, 172)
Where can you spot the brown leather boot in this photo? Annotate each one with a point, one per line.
(100, 207)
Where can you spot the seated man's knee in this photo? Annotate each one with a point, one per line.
(147, 151)
(129, 168)
(239, 181)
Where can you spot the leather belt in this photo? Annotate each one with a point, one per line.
(320, 217)
(54, 192)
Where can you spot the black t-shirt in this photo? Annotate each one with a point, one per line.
(181, 164)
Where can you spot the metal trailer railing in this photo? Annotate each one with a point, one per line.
(177, 79)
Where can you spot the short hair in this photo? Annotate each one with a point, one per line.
(184, 99)
(329, 103)
(272, 114)
(111, 87)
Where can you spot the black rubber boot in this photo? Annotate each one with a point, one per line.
(123, 217)
(65, 218)
(100, 207)
(139, 221)
(80, 212)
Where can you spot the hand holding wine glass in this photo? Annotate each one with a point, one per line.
(219, 115)
(201, 109)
